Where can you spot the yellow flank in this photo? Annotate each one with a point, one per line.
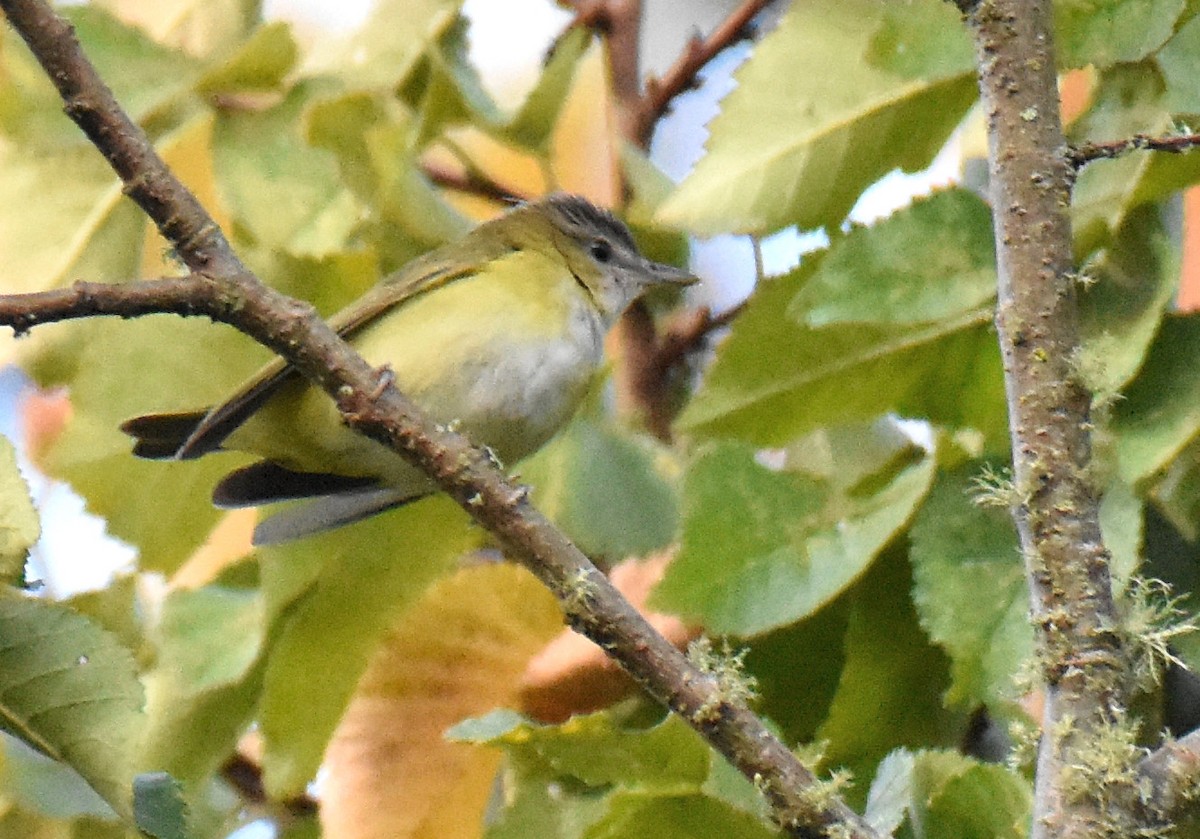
(506, 355)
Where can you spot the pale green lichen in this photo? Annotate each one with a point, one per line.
(1151, 618)
(579, 592)
(734, 686)
(994, 487)
(1025, 736)
(1104, 772)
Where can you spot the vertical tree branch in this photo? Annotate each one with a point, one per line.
(1057, 512)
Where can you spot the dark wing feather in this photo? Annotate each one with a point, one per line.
(266, 482)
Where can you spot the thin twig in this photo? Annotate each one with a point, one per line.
(681, 77)
(1081, 155)
(650, 375)
(471, 183)
(246, 777)
(225, 291)
(22, 312)
(687, 331)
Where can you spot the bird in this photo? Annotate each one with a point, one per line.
(498, 335)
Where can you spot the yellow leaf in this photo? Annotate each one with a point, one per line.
(586, 141)
(457, 653)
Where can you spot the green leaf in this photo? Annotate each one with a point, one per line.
(1179, 61)
(968, 394)
(605, 489)
(891, 792)
(206, 679)
(369, 573)
(603, 775)
(920, 40)
(144, 75)
(19, 524)
(372, 142)
(1160, 413)
(1135, 279)
(68, 689)
(445, 89)
(391, 41)
(1105, 32)
(761, 549)
(202, 26)
(409, 205)
(329, 282)
(120, 608)
(1122, 523)
(151, 364)
(281, 191)
(1177, 495)
(16, 823)
(960, 549)
(803, 659)
(636, 814)
(600, 749)
(78, 223)
(891, 689)
(339, 124)
(775, 379)
(957, 798)
(828, 120)
(41, 785)
(535, 805)
(944, 794)
(259, 64)
(158, 806)
(1129, 99)
(930, 261)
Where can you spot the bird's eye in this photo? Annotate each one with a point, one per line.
(601, 251)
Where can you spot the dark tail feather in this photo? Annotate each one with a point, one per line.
(323, 514)
(266, 482)
(161, 436)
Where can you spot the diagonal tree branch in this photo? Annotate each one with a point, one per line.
(221, 288)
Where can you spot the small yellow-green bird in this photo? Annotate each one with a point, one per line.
(499, 334)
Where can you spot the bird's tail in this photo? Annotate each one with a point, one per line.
(321, 514)
(161, 436)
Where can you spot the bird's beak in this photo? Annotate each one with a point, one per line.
(669, 274)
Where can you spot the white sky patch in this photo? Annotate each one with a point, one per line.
(342, 16)
(509, 42)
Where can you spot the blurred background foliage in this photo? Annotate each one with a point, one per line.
(816, 504)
